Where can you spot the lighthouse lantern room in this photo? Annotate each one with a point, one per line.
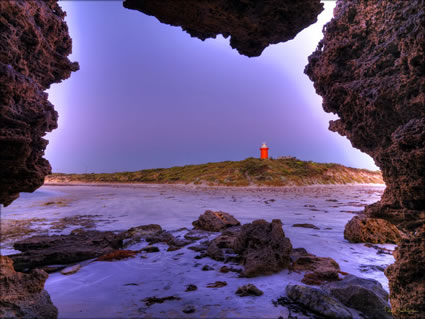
(264, 151)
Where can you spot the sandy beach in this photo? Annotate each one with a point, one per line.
(117, 289)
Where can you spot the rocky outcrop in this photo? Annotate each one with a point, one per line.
(318, 301)
(371, 230)
(215, 221)
(251, 25)
(369, 70)
(23, 295)
(38, 251)
(407, 277)
(34, 45)
(365, 295)
(263, 247)
(318, 269)
(338, 299)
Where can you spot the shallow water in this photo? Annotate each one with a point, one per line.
(99, 289)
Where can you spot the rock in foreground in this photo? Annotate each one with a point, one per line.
(371, 230)
(40, 251)
(215, 221)
(318, 301)
(23, 295)
(365, 295)
(263, 247)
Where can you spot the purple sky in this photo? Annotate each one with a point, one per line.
(148, 95)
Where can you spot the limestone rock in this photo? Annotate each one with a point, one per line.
(320, 269)
(251, 25)
(248, 290)
(263, 247)
(222, 248)
(318, 301)
(40, 251)
(369, 71)
(23, 295)
(34, 45)
(365, 295)
(407, 277)
(371, 230)
(215, 221)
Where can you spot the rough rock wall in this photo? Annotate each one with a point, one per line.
(34, 45)
(370, 71)
(407, 277)
(252, 25)
(369, 68)
(23, 295)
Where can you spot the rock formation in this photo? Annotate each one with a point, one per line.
(365, 295)
(318, 301)
(251, 25)
(371, 230)
(264, 248)
(338, 299)
(261, 247)
(369, 70)
(215, 221)
(319, 269)
(23, 295)
(34, 45)
(38, 251)
(407, 277)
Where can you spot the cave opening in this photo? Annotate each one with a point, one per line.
(366, 69)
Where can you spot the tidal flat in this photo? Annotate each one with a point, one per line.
(121, 288)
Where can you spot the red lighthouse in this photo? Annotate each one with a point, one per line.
(264, 151)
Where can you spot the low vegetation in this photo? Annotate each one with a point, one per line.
(287, 171)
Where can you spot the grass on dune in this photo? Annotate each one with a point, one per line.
(287, 171)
